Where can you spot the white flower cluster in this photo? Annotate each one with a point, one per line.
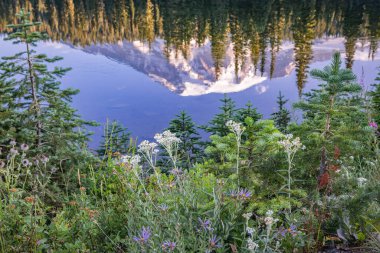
(269, 218)
(132, 160)
(362, 181)
(147, 147)
(167, 139)
(148, 151)
(235, 127)
(290, 144)
(247, 216)
(170, 143)
(251, 245)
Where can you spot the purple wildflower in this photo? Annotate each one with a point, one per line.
(374, 125)
(171, 184)
(2, 164)
(233, 193)
(241, 194)
(176, 172)
(291, 230)
(282, 231)
(244, 194)
(163, 207)
(214, 242)
(144, 235)
(205, 224)
(12, 143)
(168, 246)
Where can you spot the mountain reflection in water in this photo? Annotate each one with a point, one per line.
(197, 49)
(210, 46)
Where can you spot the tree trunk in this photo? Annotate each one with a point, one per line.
(35, 103)
(323, 164)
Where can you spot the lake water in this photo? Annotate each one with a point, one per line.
(142, 62)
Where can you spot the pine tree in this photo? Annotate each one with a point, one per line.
(334, 111)
(40, 111)
(375, 97)
(217, 126)
(116, 138)
(185, 129)
(282, 116)
(9, 113)
(247, 111)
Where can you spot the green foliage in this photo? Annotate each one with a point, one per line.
(334, 116)
(375, 99)
(116, 138)
(189, 147)
(217, 126)
(282, 116)
(36, 110)
(248, 111)
(253, 189)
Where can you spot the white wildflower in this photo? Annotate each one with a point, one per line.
(331, 198)
(13, 152)
(146, 146)
(24, 147)
(235, 127)
(290, 144)
(135, 160)
(170, 142)
(361, 181)
(125, 159)
(251, 245)
(130, 160)
(238, 130)
(167, 139)
(247, 216)
(269, 220)
(148, 151)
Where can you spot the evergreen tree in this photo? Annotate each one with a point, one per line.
(333, 114)
(375, 97)
(248, 111)
(217, 126)
(116, 138)
(185, 129)
(39, 110)
(282, 116)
